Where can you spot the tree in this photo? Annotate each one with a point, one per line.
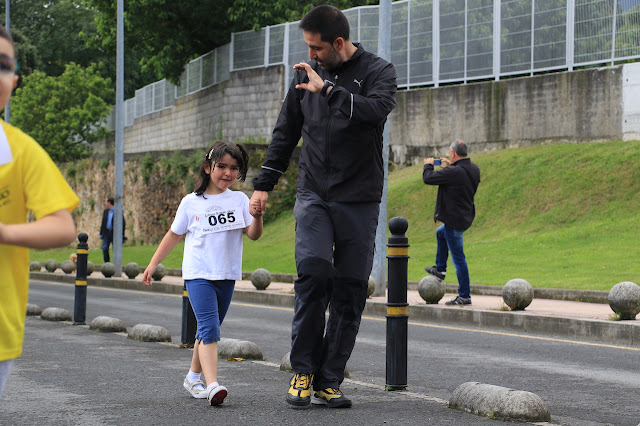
(59, 32)
(26, 52)
(63, 113)
(169, 33)
(57, 29)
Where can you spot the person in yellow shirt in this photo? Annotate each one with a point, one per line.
(29, 181)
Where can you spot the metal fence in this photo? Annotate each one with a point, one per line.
(469, 40)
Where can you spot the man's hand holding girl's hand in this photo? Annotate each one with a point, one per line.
(255, 208)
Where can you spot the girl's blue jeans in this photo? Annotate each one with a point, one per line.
(210, 301)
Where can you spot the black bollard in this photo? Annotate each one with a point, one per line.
(189, 323)
(397, 318)
(80, 303)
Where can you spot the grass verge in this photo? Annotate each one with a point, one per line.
(557, 215)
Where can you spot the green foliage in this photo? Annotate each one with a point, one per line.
(195, 161)
(253, 140)
(56, 30)
(104, 163)
(26, 53)
(51, 34)
(147, 164)
(175, 168)
(79, 210)
(166, 34)
(71, 171)
(61, 112)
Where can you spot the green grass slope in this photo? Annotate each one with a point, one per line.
(557, 215)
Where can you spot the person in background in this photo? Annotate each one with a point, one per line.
(106, 228)
(457, 183)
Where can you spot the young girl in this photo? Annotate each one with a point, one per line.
(213, 218)
(29, 180)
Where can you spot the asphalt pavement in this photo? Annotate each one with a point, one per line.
(560, 313)
(70, 375)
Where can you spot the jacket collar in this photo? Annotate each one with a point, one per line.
(5, 150)
(346, 64)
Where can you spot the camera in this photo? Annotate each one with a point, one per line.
(437, 162)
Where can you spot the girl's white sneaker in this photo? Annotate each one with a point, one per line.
(217, 395)
(197, 389)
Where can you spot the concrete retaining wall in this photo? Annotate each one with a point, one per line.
(246, 105)
(571, 106)
(594, 104)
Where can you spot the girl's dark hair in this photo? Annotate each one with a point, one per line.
(214, 154)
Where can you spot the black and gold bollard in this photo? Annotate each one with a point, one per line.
(189, 323)
(80, 303)
(397, 318)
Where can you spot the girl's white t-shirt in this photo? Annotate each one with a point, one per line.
(214, 226)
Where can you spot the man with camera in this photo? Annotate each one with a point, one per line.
(457, 183)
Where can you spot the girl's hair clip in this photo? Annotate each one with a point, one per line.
(210, 154)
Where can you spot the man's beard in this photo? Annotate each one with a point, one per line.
(332, 62)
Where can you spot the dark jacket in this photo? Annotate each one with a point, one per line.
(457, 185)
(341, 155)
(103, 226)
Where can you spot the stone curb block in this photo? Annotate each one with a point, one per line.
(56, 314)
(107, 325)
(499, 403)
(33, 310)
(614, 332)
(592, 296)
(234, 348)
(285, 363)
(149, 333)
(157, 287)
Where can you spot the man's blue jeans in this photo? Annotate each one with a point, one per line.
(450, 240)
(107, 239)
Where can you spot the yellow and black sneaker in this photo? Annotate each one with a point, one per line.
(331, 397)
(300, 391)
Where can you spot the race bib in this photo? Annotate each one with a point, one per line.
(221, 220)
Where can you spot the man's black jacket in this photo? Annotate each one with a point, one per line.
(103, 226)
(457, 185)
(341, 156)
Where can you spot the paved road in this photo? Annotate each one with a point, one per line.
(583, 383)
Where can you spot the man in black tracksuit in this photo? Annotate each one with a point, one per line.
(457, 184)
(338, 102)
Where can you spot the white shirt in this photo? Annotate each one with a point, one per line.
(214, 226)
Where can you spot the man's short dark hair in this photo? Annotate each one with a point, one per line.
(111, 201)
(327, 21)
(460, 148)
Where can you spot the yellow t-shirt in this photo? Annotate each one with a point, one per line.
(29, 180)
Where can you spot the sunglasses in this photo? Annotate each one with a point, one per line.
(8, 64)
